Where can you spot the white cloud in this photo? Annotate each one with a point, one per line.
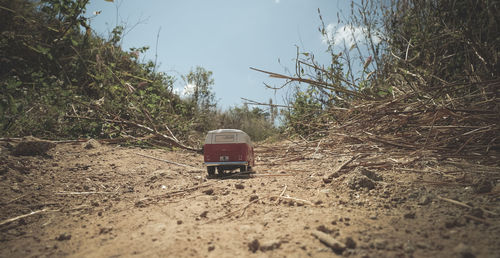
(346, 34)
(187, 91)
(277, 1)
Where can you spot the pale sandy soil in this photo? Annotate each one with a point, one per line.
(108, 201)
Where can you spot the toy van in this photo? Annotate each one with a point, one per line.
(227, 150)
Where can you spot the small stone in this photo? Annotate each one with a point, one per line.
(254, 245)
(15, 188)
(424, 200)
(326, 239)
(482, 185)
(368, 173)
(454, 222)
(269, 246)
(464, 251)
(204, 214)
(140, 204)
(410, 215)
(380, 244)
(450, 223)
(324, 229)
(91, 144)
(3, 170)
(31, 146)
(338, 247)
(335, 175)
(239, 186)
(179, 222)
(211, 248)
(422, 245)
(105, 230)
(253, 197)
(327, 180)
(63, 237)
(408, 248)
(496, 189)
(208, 191)
(358, 181)
(350, 243)
(477, 212)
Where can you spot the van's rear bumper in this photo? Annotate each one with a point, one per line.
(226, 163)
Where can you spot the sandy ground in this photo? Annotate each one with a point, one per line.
(305, 199)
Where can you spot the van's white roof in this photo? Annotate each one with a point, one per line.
(227, 131)
(240, 136)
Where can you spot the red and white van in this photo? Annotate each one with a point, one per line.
(228, 149)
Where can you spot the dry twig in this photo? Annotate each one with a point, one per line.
(461, 204)
(477, 219)
(81, 193)
(22, 216)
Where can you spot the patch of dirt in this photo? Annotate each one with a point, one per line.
(98, 200)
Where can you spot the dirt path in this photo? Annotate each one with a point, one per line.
(107, 201)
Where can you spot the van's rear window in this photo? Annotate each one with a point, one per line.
(225, 138)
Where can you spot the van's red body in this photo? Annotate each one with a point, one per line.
(228, 149)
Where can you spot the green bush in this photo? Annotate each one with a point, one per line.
(60, 80)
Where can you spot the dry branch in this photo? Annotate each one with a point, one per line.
(81, 193)
(328, 240)
(461, 204)
(171, 139)
(296, 199)
(164, 136)
(253, 102)
(320, 84)
(447, 118)
(281, 194)
(477, 219)
(337, 169)
(22, 216)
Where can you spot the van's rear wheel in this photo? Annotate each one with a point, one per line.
(220, 170)
(211, 171)
(243, 168)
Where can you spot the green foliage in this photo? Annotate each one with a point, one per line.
(255, 122)
(406, 47)
(202, 98)
(202, 81)
(306, 115)
(449, 40)
(59, 80)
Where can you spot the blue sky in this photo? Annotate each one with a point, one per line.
(223, 36)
